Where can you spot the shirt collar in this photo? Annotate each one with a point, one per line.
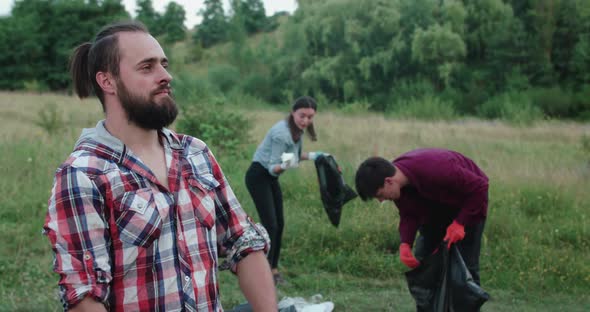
(102, 136)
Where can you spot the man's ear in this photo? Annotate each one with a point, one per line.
(107, 82)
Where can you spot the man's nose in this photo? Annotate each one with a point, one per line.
(165, 75)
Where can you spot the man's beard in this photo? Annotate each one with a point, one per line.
(145, 112)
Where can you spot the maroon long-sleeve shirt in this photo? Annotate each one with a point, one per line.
(441, 182)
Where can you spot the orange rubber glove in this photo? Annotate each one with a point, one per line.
(406, 256)
(455, 233)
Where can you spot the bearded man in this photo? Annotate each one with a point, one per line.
(139, 214)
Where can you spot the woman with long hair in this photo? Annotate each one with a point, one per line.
(280, 150)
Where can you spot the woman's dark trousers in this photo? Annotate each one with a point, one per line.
(268, 199)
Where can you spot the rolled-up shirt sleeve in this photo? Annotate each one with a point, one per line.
(238, 235)
(78, 233)
(253, 238)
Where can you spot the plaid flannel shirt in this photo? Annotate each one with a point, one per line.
(122, 238)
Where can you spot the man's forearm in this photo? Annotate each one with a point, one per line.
(88, 305)
(256, 282)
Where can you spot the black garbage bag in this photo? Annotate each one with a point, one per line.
(442, 283)
(427, 283)
(464, 293)
(333, 190)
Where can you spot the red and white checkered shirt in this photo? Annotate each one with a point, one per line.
(122, 238)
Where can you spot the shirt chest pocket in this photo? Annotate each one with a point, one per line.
(202, 194)
(138, 220)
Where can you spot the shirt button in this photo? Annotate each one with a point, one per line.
(87, 257)
(186, 278)
(139, 205)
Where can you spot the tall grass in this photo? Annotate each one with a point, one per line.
(535, 250)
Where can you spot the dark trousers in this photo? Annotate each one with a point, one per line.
(268, 199)
(431, 235)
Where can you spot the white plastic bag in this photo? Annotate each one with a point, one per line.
(302, 305)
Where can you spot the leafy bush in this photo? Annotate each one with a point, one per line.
(554, 102)
(190, 89)
(513, 107)
(474, 90)
(195, 53)
(492, 108)
(516, 80)
(227, 131)
(585, 144)
(237, 98)
(260, 85)
(523, 114)
(356, 107)
(408, 88)
(35, 86)
(582, 103)
(427, 108)
(224, 76)
(50, 119)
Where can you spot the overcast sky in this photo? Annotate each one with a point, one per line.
(191, 7)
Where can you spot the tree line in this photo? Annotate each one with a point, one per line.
(489, 58)
(476, 56)
(38, 36)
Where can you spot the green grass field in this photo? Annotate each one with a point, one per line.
(535, 254)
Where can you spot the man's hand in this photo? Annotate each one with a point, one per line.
(455, 233)
(406, 256)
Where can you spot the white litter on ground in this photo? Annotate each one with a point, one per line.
(314, 304)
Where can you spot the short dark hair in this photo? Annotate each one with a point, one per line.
(370, 176)
(100, 54)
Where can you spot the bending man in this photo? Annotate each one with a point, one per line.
(440, 193)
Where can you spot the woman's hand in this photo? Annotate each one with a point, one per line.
(315, 155)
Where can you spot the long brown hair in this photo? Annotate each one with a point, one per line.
(99, 55)
(302, 102)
